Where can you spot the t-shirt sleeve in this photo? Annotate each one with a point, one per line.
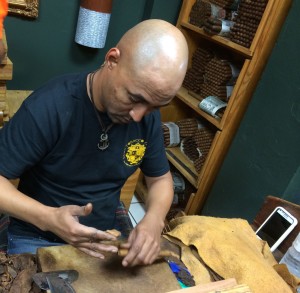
(155, 162)
(22, 142)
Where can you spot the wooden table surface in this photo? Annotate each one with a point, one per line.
(107, 275)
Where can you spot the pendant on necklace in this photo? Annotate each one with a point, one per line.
(103, 143)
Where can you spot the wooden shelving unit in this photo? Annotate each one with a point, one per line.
(185, 104)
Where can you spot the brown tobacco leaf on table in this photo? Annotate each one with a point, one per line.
(16, 273)
(23, 281)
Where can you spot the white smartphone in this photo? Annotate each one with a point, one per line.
(276, 227)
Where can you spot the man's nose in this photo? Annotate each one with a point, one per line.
(138, 112)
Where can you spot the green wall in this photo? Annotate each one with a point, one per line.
(264, 157)
(44, 47)
(265, 154)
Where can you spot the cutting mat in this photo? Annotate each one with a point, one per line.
(107, 275)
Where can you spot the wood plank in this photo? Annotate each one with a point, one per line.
(194, 104)
(220, 40)
(2, 91)
(183, 164)
(3, 105)
(175, 111)
(14, 100)
(262, 25)
(6, 70)
(4, 60)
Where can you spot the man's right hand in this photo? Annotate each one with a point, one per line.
(64, 222)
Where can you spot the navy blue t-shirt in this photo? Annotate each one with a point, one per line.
(51, 145)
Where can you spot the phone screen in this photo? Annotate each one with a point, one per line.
(274, 228)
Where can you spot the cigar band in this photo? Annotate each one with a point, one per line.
(174, 133)
(229, 89)
(235, 71)
(226, 26)
(211, 105)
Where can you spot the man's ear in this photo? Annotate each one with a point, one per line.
(112, 57)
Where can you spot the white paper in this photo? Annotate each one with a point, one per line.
(211, 105)
(174, 133)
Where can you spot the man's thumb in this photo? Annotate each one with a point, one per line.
(87, 209)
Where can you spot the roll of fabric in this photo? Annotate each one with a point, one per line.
(93, 22)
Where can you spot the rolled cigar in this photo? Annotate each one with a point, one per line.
(114, 232)
(163, 253)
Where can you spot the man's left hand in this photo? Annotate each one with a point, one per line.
(143, 242)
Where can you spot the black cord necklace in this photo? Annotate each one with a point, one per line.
(103, 143)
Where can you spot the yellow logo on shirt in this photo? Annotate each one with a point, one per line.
(134, 152)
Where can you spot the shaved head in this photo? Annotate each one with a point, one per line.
(157, 50)
(142, 72)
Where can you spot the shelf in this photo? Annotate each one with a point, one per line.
(186, 103)
(192, 102)
(220, 40)
(183, 164)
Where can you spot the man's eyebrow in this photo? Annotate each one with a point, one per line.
(140, 98)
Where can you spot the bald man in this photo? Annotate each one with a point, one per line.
(76, 140)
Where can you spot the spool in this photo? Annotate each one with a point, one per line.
(93, 22)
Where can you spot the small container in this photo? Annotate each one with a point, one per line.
(292, 258)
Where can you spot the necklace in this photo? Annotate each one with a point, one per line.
(103, 143)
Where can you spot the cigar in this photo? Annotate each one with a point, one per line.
(163, 253)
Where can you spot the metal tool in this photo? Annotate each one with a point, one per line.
(56, 281)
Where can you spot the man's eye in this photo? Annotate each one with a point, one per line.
(133, 99)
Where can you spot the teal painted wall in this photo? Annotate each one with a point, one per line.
(265, 155)
(44, 47)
